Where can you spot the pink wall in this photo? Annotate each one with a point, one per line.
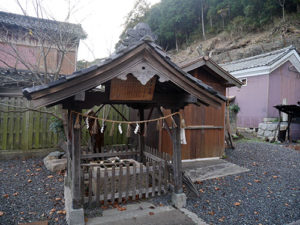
(252, 100)
(283, 84)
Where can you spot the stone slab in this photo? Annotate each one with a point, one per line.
(36, 223)
(142, 213)
(209, 169)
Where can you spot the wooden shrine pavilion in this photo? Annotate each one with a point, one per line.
(141, 76)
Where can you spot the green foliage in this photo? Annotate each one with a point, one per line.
(175, 21)
(234, 108)
(57, 127)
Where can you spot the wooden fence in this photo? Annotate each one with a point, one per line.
(26, 130)
(104, 184)
(30, 130)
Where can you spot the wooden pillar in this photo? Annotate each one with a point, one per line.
(68, 133)
(141, 140)
(76, 152)
(177, 164)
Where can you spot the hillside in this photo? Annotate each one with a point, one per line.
(226, 47)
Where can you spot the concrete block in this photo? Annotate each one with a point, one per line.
(272, 126)
(262, 126)
(260, 132)
(179, 200)
(73, 216)
(55, 165)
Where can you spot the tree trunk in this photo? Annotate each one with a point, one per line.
(202, 20)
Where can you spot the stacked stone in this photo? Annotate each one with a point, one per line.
(269, 130)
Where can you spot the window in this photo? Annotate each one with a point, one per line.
(244, 81)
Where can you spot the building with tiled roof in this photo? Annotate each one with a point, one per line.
(269, 79)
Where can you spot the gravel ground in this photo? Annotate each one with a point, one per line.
(28, 193)
(268, 194)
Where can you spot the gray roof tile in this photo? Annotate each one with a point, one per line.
(265, 59)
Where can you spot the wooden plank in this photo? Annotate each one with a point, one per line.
(4, 127)
(153, 178)
(134, 184)
(98, 188)
(108, 154)
(140, 185)
(198, 127)
(90, 186)
(76, 152)
(120, 184)
(141, 139)
(159, 177)
(177, 164)
(82, 187)
(147, 179)
(153, 157)
(105, 186)
(113, 178)
(123, 194)
(127, 181)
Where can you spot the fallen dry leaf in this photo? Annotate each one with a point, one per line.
(237, 203)
(57, 199)
(275, 177)
(1, 213)
(56, 219)
(211, 213)
(222, 219)
(160, 204)
(28, 171)
(201, 190)
(15, 194)
(1, 170)
(29, 181)
(249, 183)
(5, 196)
(216, 188)
(60, 179)
(21, 213)
(61, 212)
(257, 181)
(256, 213)
(286, 204)
(104, 207)
(51, 176)
(121, 208)
(38, 169)
(151, 213)
(53, 210)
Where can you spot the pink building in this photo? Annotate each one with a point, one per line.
(269, 79)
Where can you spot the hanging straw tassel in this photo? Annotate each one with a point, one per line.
(77, 125)
(158, 125)
(95, 127)
(173, 122)
(111, 132)
(128, 132)
(182, 124)
(145, 130)
(120, 128)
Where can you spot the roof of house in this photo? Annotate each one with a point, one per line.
(28, 22)
(262, 64)
(94, 76)
(219, 71)
(20, 78)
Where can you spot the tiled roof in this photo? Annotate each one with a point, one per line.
(20, 78)
(116, 55)
(265, 59)
(28, 22)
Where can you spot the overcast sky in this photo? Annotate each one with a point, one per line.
(101, 19)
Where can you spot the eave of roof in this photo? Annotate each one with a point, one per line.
(28, 22)
(206, 61)
(31, 93)
(258, 62)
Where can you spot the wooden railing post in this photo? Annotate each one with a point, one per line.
(76, 152)
(177, 164)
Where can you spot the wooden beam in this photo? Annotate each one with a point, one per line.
(76, 152)
(177, 164)
(108, 154)
(141, 139)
